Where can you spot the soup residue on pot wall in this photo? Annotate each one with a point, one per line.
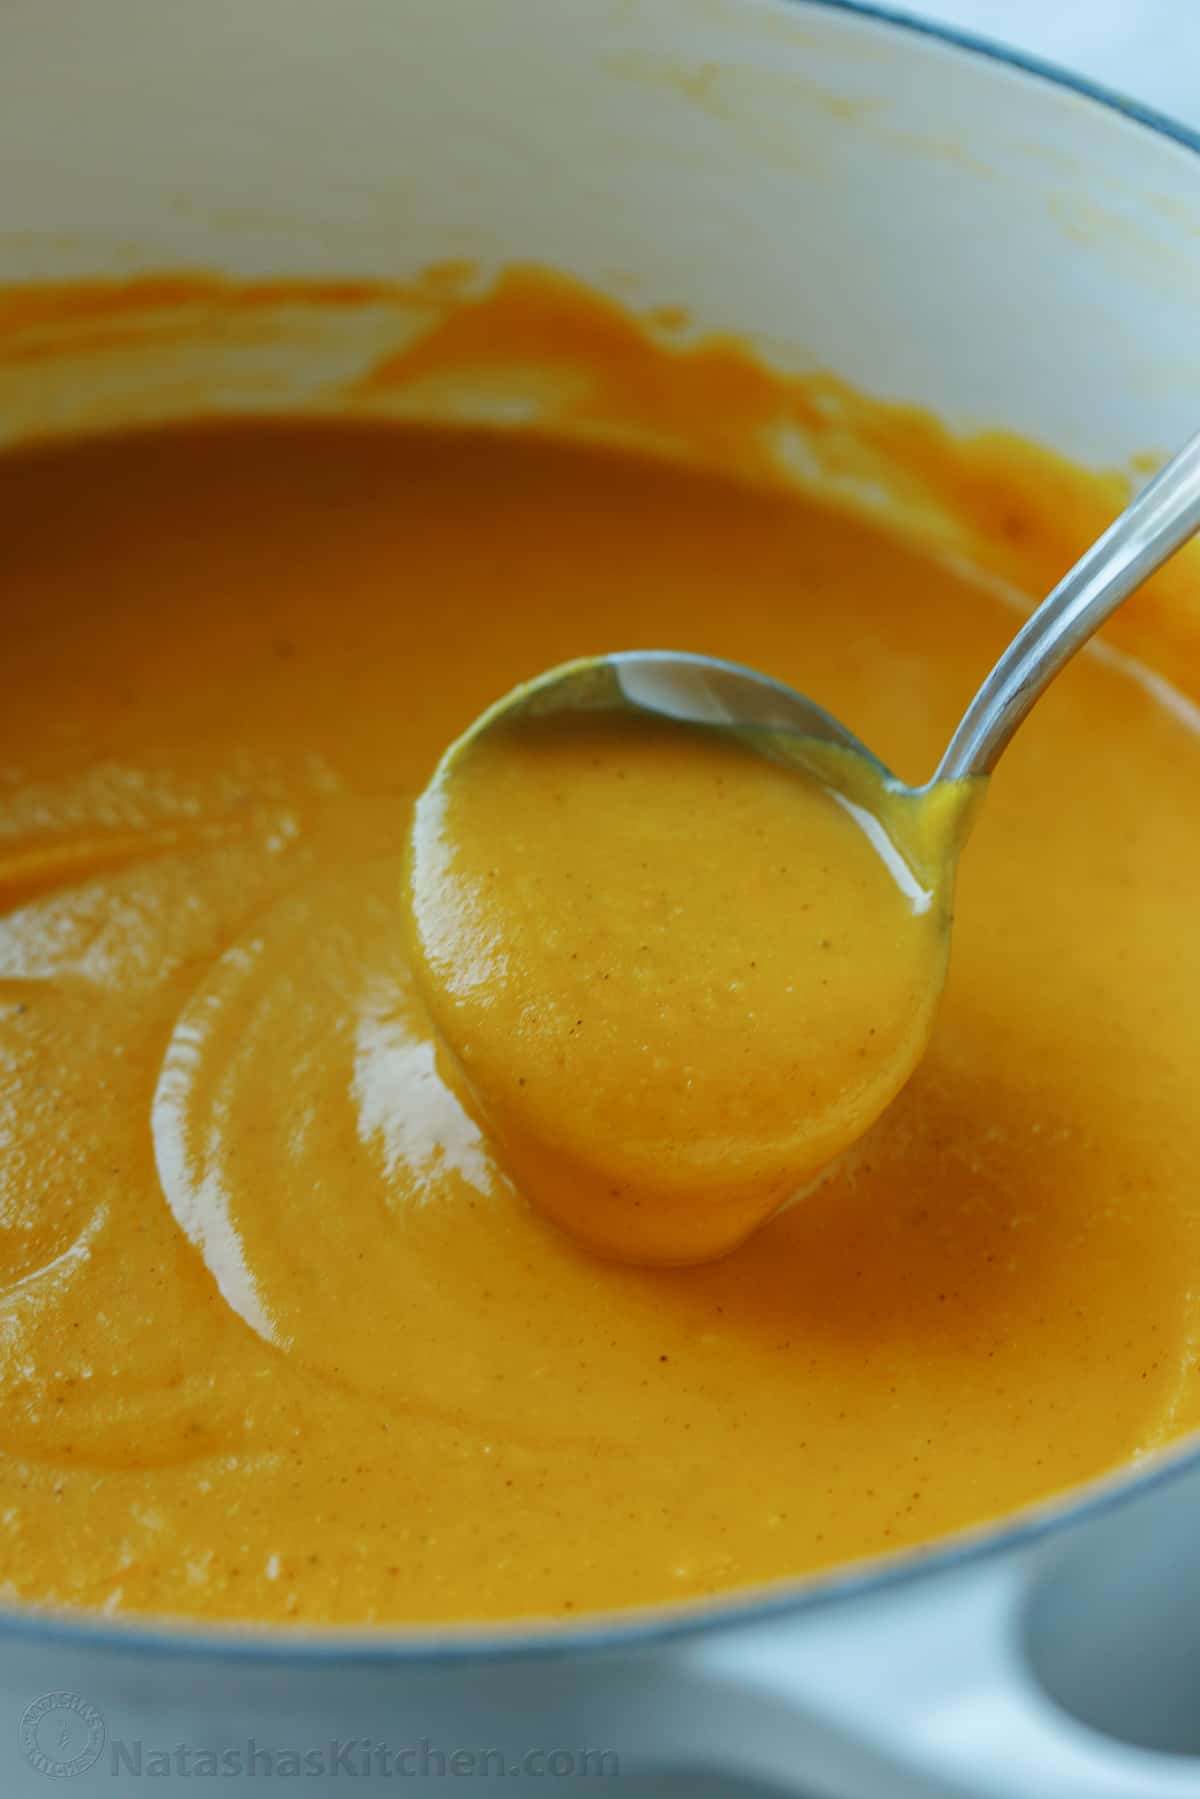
(277, 1339)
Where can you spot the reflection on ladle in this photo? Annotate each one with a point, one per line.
(684, 935)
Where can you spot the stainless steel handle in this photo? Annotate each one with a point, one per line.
(1156, 524)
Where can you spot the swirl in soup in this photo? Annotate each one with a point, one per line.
(280, 1339)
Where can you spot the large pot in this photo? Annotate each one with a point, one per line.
(931, 220)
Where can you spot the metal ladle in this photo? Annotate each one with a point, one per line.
(707, 691)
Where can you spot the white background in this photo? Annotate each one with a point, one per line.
(1148, 50)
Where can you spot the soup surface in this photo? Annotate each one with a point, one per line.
(676, 971)
(277, 1338)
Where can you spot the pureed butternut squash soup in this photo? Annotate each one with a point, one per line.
(675, 970)
(279, 1338)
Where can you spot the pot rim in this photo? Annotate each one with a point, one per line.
(780, 1600)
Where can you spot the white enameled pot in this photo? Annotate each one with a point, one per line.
(932, 221)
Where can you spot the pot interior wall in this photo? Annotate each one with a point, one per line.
(787, 171)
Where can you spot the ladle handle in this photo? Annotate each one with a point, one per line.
(1161, 519)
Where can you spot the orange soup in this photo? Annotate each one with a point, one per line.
(279, 1337)
(676, 970)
